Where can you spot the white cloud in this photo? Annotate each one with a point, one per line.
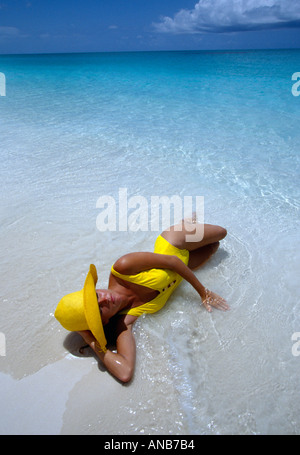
(232, 15)
(11, 34)
(9, 31)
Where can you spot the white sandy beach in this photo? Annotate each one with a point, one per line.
(190, 365)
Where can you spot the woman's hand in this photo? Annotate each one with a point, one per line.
(212, 299)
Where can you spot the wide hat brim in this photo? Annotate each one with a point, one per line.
(80, 311)
(91, 307)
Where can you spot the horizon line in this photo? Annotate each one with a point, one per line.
(153, 51)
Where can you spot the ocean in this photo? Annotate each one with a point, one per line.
(220, 125)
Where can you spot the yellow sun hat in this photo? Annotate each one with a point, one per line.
(80, 310)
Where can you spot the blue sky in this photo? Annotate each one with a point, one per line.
(38, 26)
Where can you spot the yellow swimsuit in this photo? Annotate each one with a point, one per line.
(163, 280)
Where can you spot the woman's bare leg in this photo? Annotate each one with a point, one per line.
(201, 255)
(177, 235)
(201, 250)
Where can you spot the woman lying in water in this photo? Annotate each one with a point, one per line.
(139, 283)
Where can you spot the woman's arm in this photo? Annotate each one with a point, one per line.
(133, 263)
(120, 364)
(209, 298)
